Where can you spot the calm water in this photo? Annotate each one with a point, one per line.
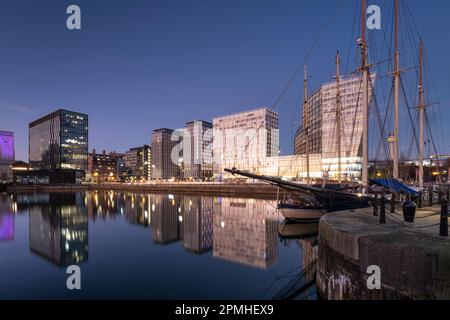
(139, 246)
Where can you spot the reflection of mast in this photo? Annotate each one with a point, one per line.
(365, 98)
(306, 114)
(421, 116)
(396, 91)
(338, 117)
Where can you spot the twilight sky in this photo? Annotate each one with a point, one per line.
(141, 65)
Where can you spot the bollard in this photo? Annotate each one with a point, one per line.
(419, 200)
(375, 206)
(443, 227)
(383, 210)
(430, 198)
(409, 211)
(393, 203)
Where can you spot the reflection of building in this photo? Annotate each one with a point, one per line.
(197, 150)
(245, 231)
(59, 230)
(323, 132)
(163, 166)
(244, 140)
(59, 141)
(6, 219)
(6, 155)
(165, 219)
(197, 223)
(138, 163)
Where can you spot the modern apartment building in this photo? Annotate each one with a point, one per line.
(198, 150)
(320, 118)
(138, 163)
(166, 154)
(244, 140)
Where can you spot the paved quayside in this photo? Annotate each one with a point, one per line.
(414, 260)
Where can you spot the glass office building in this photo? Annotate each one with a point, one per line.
(59, 141)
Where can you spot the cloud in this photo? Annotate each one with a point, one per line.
(17, 108)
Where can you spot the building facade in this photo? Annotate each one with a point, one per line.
(138, 163)
(197, 151)
(167, 154)
(321, 121)
(7, 156)
(59, 141)
(244, 140)
(103, 166)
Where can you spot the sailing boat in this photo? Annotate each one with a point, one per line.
(312, 202)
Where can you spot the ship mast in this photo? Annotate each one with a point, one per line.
(421, 116)
(338, 116)
(365, 99)
(306, 115)
(396, 93)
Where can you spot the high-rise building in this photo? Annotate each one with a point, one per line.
(6, 155)
(59, 140)
(245, 140)
(166, 156)
(197, 150)
(321, 121)
(138, 162)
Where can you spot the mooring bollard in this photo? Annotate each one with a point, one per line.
(443, 227)
(393, 203)
(409, 211)
(419, 200)
(383, 210)
(375, 206)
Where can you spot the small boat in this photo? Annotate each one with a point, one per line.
(290, 230)
(300, 212)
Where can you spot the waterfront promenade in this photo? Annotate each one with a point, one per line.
(240, 189)
(413, 259)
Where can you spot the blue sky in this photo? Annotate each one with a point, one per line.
(141, 65)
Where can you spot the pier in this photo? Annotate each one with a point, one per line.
(414, 260)
(240, 189)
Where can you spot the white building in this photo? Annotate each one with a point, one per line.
(323, 128)
(245, 140)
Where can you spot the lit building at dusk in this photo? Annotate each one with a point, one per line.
(197, 150)
(166, 155)
(59, 140)
(6, 155)
(244, 140)
(103, 166)
(138, 163)
(321, 121)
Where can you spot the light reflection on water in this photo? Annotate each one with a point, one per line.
(133, 245)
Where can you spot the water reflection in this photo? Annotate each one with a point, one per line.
(58, 229)
(245, 231)
(235, 237)
(6, 220)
